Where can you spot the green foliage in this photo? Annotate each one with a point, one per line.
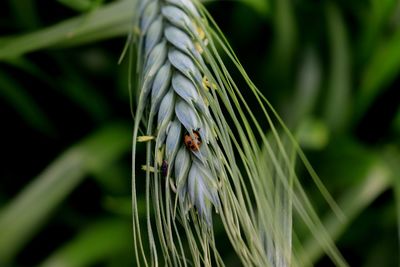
(28, 211)
(331, 69)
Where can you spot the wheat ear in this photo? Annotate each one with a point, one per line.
(173, 90)
(172, 96)
(201, 151)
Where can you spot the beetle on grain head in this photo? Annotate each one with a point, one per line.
(192, 143)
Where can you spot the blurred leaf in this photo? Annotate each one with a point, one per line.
(337, 105)
(260, 6)
(312, 134)
(373, 25)
(392, 157)
(24, 104)
(307, 88)
(81, 5)
(286, 35)
(25, 12)
(27, 212)
(111, 31)
(121, 206)
(113, 179)
(28, 66)
(382, 69)
(352, 202)
(70, 83)
(96, 243)
(396, 122)
(109, 20)
(76, 87)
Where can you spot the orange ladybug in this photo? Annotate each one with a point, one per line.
(192, 143)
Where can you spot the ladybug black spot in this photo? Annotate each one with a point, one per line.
(164, 168)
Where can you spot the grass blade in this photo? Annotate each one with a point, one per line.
(353, 202)
(24, 104)
(19, 221)
(100, 241)
(382, 70)
(88, 27)
(338, 98)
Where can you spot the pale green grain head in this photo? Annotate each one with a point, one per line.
(208, 158)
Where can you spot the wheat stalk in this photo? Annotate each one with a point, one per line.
(199, 157)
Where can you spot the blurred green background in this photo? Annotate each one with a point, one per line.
(331, 68)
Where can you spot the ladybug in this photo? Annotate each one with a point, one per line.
(192, 143)
(164, 168)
